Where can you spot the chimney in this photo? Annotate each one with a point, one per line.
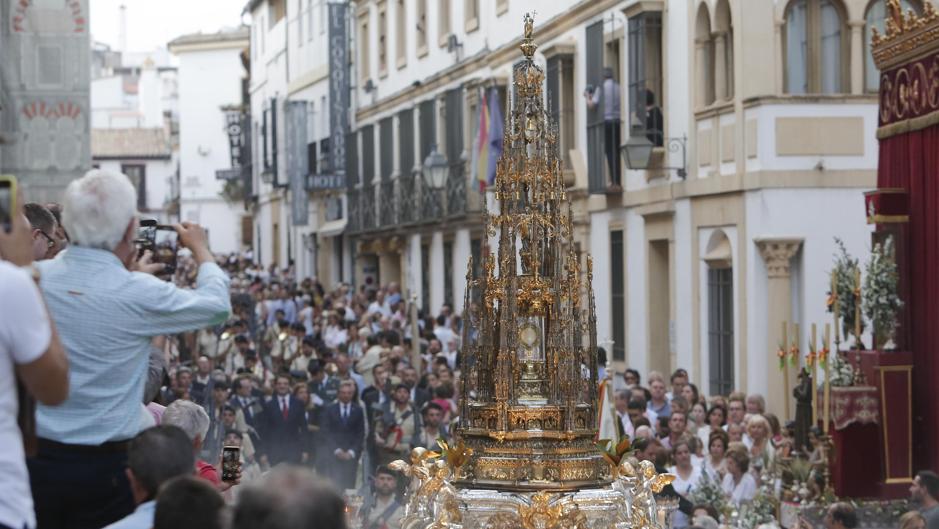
(122, 35)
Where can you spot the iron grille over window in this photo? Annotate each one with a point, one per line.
(721, 330)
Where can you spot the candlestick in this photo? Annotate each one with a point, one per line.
(813, 372)
(857, 307)
(835, 305)
(785, 368)
(826, 397)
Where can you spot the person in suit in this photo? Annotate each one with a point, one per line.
(302, 393)
(284, 426)
(343, 427)
(373, 398)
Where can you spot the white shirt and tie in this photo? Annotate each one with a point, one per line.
(345, 409)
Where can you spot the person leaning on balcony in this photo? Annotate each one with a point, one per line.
(609, 94)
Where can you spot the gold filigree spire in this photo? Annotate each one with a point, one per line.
(529, 408)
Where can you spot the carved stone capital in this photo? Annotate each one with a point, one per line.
(778, 253)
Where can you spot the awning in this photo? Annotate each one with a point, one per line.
(332, 228)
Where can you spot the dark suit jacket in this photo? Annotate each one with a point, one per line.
(282, 439)
(348, 435)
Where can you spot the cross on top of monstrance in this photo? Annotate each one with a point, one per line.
(528, 401)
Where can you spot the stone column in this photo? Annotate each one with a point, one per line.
(856, 66)
(701, 72)
(778, 252)
(720, 66)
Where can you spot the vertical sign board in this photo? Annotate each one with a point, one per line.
(296, 116)
(338, 87)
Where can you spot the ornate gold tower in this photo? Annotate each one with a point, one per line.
(528, 401)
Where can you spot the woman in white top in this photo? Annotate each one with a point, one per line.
(762, 453)
(738, 485)
(697, 418)
(715, 464)
(716, 418)
(687, 476)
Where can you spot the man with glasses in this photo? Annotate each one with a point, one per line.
(44, 226)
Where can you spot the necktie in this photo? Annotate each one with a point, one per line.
(345, 412)
(283, 401)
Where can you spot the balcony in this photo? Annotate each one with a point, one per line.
(408, 201)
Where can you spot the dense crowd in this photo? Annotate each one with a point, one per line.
(145, 381)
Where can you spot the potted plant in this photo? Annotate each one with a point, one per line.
(881, 301)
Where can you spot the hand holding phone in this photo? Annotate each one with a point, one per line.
(231, 464)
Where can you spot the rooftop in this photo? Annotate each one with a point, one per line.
(221, 36)
(130, 143)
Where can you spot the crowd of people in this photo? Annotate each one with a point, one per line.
(131, 385)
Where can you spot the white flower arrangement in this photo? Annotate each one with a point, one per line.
(841, 371)
(844, 271)
(881, 302)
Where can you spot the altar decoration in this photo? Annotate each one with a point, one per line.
(846, 293)
(881, 299)
(524, 451)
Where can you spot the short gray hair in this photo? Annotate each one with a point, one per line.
(188, 416)
(97, 209)
(289, 497)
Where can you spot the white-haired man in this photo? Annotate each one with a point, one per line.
(107, 314)
(192, 419)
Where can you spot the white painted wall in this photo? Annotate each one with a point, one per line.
(817, 216)
(208, 80)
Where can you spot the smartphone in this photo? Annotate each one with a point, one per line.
(146, 236)
(165, 246)
(231, 462)
(7, 201)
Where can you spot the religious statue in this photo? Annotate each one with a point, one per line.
(803, 396)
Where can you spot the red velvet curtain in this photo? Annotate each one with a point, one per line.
(911, 161)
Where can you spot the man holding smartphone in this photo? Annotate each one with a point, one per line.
(107, 313)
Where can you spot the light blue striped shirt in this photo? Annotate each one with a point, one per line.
(106, 316)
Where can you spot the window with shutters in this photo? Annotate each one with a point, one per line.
(352, 160)
(364, 42)
(471, 14)
(816, 40)
(448, 272)
(443, 22)
(721, 330)
(312, 160)
(428, 129)
(137, 174)
(596, 172)
(401, 34)
(382, 39)
(386, 147)
(425, 278)
(368, 154)
(618, 294)
(405, 142)
(421, 27)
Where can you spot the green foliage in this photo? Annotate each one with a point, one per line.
(844, 271)
(880, 297)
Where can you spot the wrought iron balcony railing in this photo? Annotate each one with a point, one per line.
(409, 200)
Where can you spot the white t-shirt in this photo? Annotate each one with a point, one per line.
(741, 492)
(24, 337)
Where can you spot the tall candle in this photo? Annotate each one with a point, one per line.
(857, 306)
(785, 368)
(812, 371)
(826, 398)
(836, 302)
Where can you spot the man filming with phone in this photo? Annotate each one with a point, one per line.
(107, 314)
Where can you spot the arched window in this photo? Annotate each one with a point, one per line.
(816, 47)
(724, 51)
(704, 53)
(875, 18)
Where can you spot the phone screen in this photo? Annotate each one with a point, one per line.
(165, 245)
(231, 462)
(6, 204)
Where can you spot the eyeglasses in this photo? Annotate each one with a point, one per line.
(50, 241)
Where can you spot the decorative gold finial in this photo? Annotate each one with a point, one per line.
(528, 47)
